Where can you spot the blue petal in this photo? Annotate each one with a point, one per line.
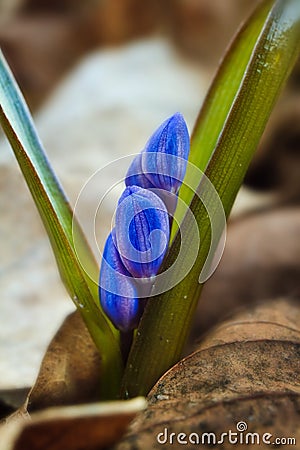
(135, 175)
(117, 290)
(142, 231)
(164, 158)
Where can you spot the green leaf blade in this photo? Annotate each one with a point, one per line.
(222, 93)
(60, 225)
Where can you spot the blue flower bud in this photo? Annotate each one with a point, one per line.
(142, 231)
(164, 159)
(162, 164)
(117, 290)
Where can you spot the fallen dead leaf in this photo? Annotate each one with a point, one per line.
(247, 370)
(277, 321)
(71, 368)
(85, 427)
(54, 36)
(260, 261)
(203, 28)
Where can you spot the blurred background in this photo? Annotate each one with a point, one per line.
(99, 77)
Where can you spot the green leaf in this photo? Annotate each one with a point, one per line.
(60, 225)
(226, 135)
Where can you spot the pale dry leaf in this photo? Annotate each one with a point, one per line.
(83, 427)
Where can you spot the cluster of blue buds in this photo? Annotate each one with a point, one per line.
(135, 248)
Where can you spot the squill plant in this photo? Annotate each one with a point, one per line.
(225, 136)
(136, 247)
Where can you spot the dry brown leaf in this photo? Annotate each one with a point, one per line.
(261, 260)
(53, 36)
(71, 369)
(49, 42)
(203, 28)
(84, 427)
(277, 321)
(247, 370)
(70, 374)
